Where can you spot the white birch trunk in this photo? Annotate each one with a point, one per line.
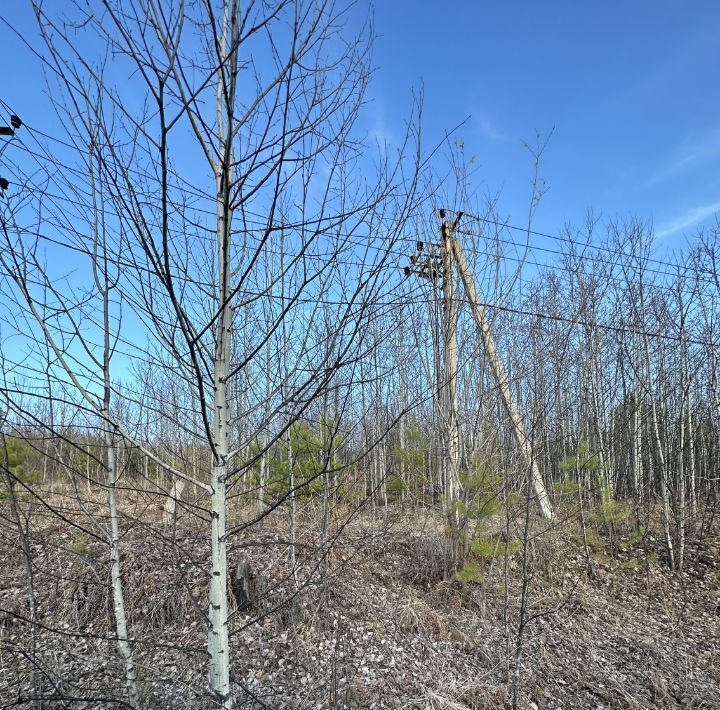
(692, 472)
(663, 470)
(218, 639)
(102, 282)
(637, 453)
(681, 493)
(170, 509)
(116, 578)
(218, 632)
(292, 554)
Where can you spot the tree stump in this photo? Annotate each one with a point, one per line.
(171, 503)
(244, 588)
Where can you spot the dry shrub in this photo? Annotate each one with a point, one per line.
(425, 560)
(481, 696)
(418, 619)
(87, 600)
(410, 618)
(160, 605)
(447, 596)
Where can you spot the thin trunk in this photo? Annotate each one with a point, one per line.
(103, 283)
(691, 461)
(115, 574)
(663, 470)
(637, 453)
(403, 405)
(218, 632)
(681, 492)
(293, 511)
(326, 447)
(262, 473)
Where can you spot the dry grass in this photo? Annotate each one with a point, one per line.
(380, 627)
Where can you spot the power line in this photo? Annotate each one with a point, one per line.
(367, 245)
(495, 222)
(338, 302)
(351, 240)
(596, 324)
(567, 270)
(589, 245)
(360, 242)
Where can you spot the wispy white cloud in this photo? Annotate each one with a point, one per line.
(692, 154)
(377, 128)
(489, 130)
(379, 133)
(688, 219)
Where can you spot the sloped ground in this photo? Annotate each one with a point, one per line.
(383, 630)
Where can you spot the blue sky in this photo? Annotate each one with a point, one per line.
(631, 89)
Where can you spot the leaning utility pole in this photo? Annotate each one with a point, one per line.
(491, 352)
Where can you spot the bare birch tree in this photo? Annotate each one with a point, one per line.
(224, 140)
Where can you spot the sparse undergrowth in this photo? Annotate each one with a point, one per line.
(385, 629)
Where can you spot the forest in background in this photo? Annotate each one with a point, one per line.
(239, 359)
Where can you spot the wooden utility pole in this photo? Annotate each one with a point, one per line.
(448, 378)
(491, 352)
(434, 266)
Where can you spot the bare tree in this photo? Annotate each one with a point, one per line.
(236, 233)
